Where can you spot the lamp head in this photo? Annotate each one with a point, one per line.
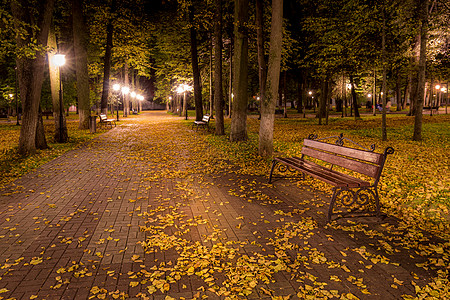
(59, 60)
(125, 90)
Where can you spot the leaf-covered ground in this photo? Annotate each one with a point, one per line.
(154, 210)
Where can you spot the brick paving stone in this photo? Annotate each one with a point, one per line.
(81, 213)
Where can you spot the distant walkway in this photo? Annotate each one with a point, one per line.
(131, 214)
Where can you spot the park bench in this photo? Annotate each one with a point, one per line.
(105, 121)
(358, 195)
(4, 116)
(204, 123)
(47, 113)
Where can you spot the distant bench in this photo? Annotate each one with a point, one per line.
(105, 121)
(6, 117)
(318, 159)
(204, 123)
(47, 113)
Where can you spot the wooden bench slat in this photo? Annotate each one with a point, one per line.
(344, 177)
(320, 172)
(371, 157)
(354, 165)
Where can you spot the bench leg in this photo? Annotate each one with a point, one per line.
(330, 209)
(377, 203)
(274, 163)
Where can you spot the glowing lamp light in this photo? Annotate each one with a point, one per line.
(133, 94)
(369, 95)
(125, 90)
(116, 87)
(310, 93)
(59, 60)
(437, 87)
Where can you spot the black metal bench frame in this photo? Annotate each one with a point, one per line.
(350, 190)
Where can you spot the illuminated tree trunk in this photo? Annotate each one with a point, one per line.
(423, 11)
(240, 72)
(31, 70)
(195, 68)
(260, 45)
(383, 88)
(126, 97)
(218, 96)
(273, 81)
(81, 64)
(107, 61)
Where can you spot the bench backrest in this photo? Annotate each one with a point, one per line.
(206, 118)
(103, 117)
(361, 161)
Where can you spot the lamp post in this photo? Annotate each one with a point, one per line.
(125, 91)
(116, 88)
(59, 60)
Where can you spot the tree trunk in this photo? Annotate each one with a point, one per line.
(80, 43)
(354, 100)
(273, 80)
(260, 45)
(300, 95)
(195, 68)
(240, 72)
(107, 60)
(218, 97)
(383, 88)
(398, 93)
(31, 70)
(126, 97)
(41, 142)
(423, 11)
(321, 112)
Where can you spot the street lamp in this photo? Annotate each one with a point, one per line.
(59, 60)
(183, 88)
(116, 88)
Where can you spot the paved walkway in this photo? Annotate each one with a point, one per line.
(141, 212)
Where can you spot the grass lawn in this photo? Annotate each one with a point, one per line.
(416, 180)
